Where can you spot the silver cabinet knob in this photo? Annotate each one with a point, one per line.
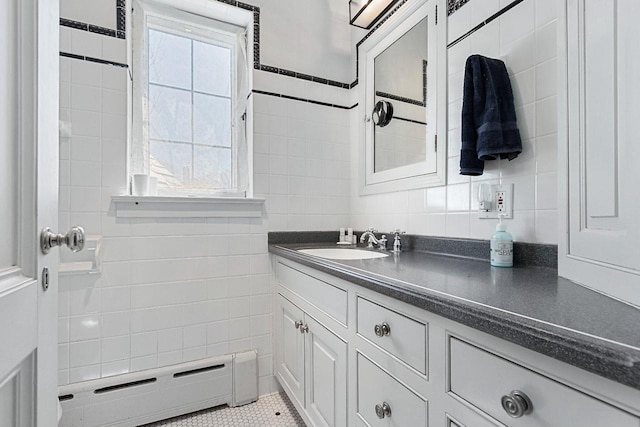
(304, 328)
(382, 330)
(383, 410)
(74, 239)
(298, 324)
(516, 404)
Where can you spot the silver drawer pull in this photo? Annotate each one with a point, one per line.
(382, 330)
(298, 324)
(516, 404)
(383, 410)
(304, 328)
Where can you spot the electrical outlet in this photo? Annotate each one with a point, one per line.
(501, 203)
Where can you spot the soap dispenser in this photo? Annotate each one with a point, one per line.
(501, 246)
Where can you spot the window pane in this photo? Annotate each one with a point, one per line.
(212, 167)
(169, 59)
(211, 69)
(174, 157)
(169, 114)
(211, 120)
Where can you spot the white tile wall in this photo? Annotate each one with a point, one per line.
(525, 39)
(162, 297)
(178, 290)
(302, 165)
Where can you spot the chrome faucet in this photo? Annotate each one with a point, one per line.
(372, 237)
(397, 245)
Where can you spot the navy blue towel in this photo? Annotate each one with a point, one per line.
(489, 128)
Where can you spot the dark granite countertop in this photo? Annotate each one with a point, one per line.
(529, 306)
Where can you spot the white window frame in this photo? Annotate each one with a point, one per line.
(206, 27)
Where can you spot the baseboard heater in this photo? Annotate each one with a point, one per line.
(147, 396)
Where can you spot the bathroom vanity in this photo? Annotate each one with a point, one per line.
(419, 339)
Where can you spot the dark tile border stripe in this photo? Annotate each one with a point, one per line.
(302, 76)
(454, 5)
(424, 81)
(409, 120)
(121, 18)
(74, 24)
(311, 101)
(400, 98)
(91, 59)
(89, 27)
(485, 22)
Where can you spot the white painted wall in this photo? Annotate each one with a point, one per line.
(95, 12)
(525, 39)
(310, 37)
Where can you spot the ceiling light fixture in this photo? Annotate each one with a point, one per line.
(365, 13)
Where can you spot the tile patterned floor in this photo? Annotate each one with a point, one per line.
(263, 413)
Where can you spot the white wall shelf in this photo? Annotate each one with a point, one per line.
(87, 261)
(187, 207)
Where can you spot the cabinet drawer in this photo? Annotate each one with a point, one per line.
(376, 387)
(405, 338)
(325, 296)
(482, 379)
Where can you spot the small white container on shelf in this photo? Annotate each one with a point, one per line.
(140, 184)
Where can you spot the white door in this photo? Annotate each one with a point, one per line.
(290, 348)
(326, 376)
(28, 202)
(600, 161)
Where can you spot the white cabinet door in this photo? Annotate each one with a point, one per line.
(601, 158)
(290, 348)
(326, 376)
(28, 202)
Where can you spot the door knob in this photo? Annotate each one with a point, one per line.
(74, 239)
(383, 411)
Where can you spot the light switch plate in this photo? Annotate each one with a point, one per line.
(506, 209)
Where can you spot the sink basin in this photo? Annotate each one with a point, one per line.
(341, 253)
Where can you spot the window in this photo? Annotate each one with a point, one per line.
(190, 101)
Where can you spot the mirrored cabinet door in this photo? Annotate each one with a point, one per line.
(404, 106)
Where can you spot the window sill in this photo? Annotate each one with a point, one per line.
(186, 207)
